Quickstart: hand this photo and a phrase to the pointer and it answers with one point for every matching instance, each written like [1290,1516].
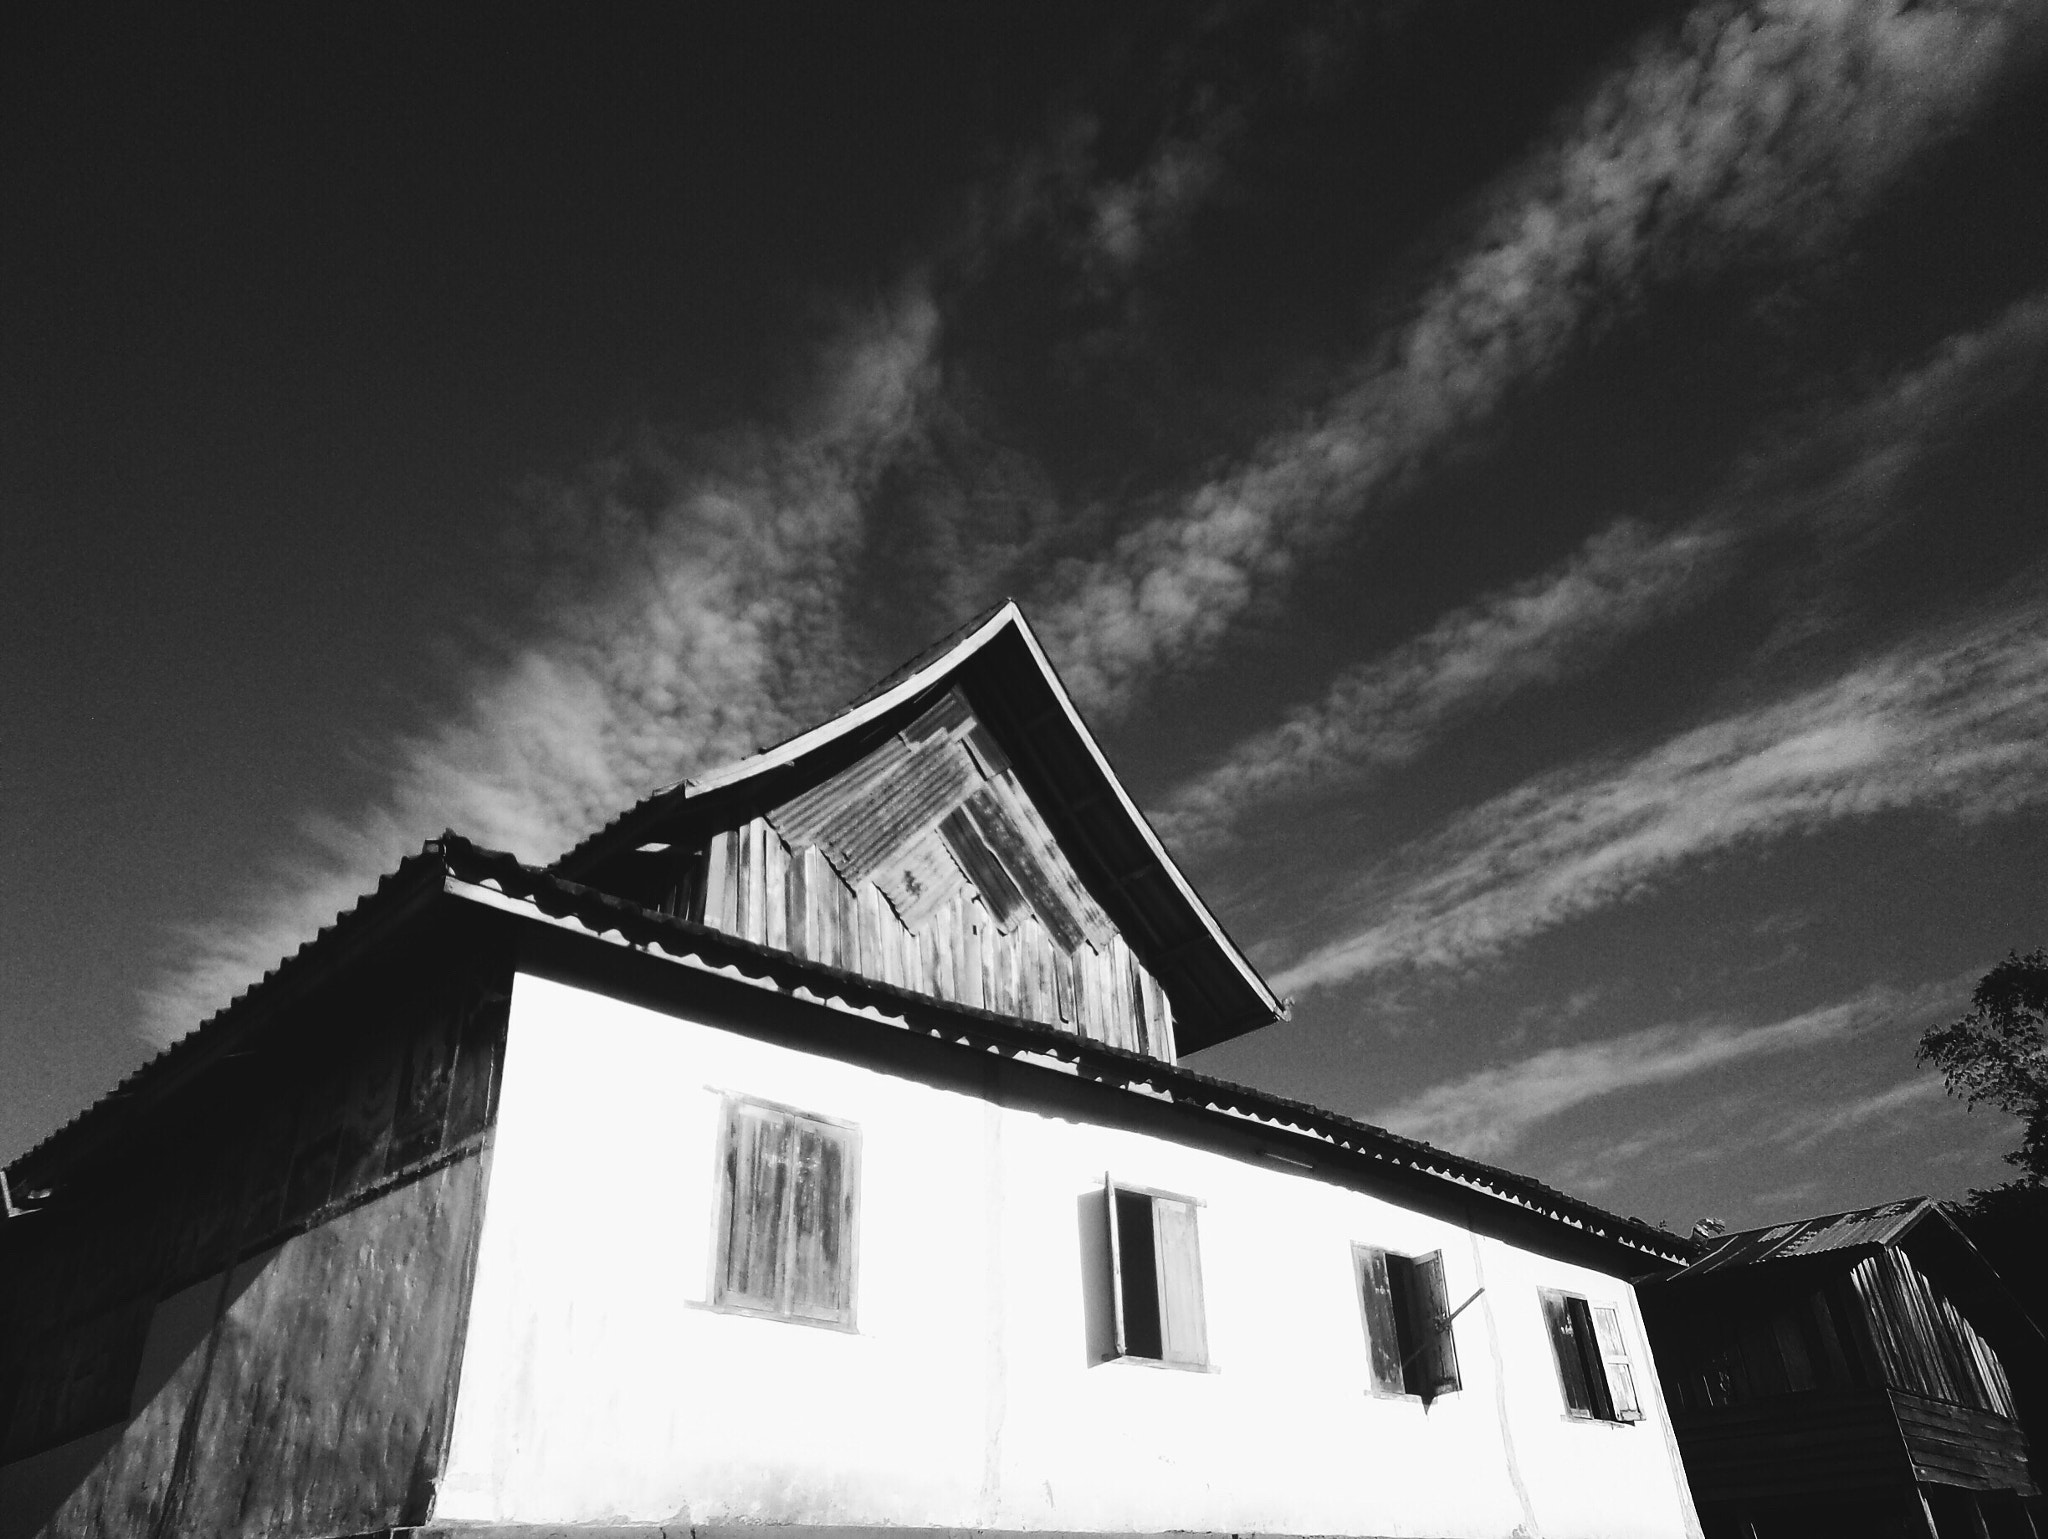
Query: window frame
[1192,1340]
[1394,1347]
[1592,1356]
[722,1296]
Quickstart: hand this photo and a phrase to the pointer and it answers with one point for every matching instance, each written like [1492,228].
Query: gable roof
[1000,666]
[1885,1224]
[451,869]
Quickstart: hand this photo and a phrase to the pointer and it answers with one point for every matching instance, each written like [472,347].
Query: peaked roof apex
[1217,993]
[880,702]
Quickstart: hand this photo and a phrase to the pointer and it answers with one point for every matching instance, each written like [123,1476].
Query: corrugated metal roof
[1881,1225]
[603,915]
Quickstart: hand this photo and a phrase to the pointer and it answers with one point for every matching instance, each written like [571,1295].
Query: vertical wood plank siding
[758,887]
[925,865]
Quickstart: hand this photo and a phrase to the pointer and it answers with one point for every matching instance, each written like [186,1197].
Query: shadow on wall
[305,1389]
[120,1474]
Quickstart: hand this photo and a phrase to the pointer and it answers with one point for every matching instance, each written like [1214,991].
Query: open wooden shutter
[1133,1270]
[1435,1369]
[1621,1382]
[1382,1333]
[754,1247]
[1571,1362]
[825,1167]
[1183,1332]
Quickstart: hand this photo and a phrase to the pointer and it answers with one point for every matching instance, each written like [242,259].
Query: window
[788,1184]
[1407,1322]
[1592,1358]
[1156,1277]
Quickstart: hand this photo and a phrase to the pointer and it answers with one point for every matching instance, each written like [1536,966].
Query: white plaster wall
[597,1386]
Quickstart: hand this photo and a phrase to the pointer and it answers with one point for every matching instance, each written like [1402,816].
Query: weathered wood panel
[304,1392]
[356,1104]
[925,865]
[1927,1345]
[1793,1445]
[1954,1445]
[755,884]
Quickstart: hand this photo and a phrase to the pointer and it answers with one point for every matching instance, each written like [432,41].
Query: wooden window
[789,1186]
[1407,1322]
[1592,1358]
[1156,1277]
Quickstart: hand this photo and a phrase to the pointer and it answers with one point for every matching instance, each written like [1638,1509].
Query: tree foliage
[1998,1054]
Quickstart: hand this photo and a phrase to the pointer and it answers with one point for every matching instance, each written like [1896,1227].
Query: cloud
[1807,1133]
[692,605]
[1957,721]
[1833,470]
[1486,1114]
[1390,710]
[1747,133]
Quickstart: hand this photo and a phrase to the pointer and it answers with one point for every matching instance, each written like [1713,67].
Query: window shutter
[822,1232]
[1112,1201]
[1184,1336]
[1621,1383]
[1382,1334]
[1571,1364]
[1438,1361]
[757,1179]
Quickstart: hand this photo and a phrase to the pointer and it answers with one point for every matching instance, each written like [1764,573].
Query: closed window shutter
[1571,1364]
[1621,1383]
[1382,1334]
[821,1232]
[757,1179]
[1438,1359]
[1184,1335]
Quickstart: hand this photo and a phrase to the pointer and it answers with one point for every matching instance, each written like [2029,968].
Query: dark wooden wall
[247,1323]
[925,865]
[1832,1374]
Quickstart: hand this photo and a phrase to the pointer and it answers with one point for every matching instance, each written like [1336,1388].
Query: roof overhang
[1002,668]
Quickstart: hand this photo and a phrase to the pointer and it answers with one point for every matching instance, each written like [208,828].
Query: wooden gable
[926,864]
[956,831]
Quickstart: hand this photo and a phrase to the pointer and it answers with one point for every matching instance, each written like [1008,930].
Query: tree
[1998,1053]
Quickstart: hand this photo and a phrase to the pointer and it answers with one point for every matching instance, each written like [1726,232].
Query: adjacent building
[1858,1373]
[811,1148]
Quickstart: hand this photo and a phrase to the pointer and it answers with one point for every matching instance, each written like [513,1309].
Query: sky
[1542,503]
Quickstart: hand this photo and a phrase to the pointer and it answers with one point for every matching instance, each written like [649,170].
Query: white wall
[597,1386]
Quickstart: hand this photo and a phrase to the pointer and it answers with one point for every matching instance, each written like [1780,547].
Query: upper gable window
[1156,1277]
[1407,1322]
[1592,1358]
[789,1186]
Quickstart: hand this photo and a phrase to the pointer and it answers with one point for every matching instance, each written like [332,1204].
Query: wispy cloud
[1834,470]
[1486,1114]
[1890,1106]
[1747,132]
[1957,721]
[1390,710]
[693,605]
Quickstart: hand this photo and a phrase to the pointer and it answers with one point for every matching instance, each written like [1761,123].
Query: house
[810,1148]
[1862,1372]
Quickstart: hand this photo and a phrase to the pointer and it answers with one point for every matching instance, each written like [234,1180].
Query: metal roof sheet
[1883,1224]
[452,863]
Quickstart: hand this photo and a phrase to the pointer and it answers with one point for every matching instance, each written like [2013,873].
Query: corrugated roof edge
[453,857]
[599,912]
[774,752]
[415,874]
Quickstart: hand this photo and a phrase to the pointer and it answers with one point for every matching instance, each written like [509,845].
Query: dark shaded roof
[453,867]
[1015,691]
[1885,1224]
